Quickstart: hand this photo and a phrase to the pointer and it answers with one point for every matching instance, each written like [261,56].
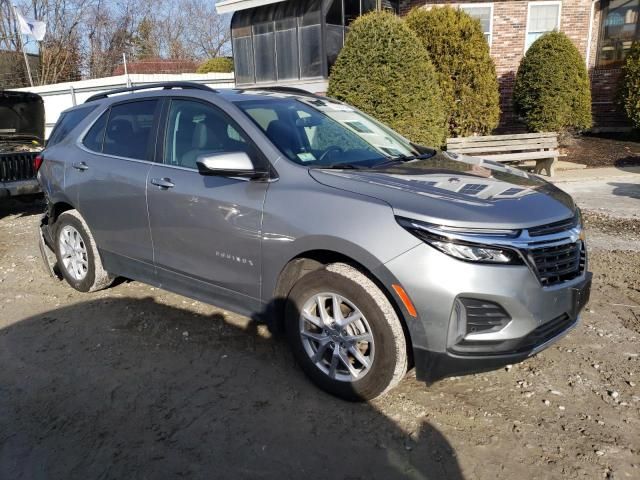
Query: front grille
[559,263]
[17,166]
[555,227]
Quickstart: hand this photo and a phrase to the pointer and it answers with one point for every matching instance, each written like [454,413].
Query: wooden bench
[541,147]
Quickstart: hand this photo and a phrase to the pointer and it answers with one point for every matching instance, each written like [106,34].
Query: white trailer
[60,96]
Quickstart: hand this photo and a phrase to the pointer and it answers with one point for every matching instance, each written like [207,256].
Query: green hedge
[216,65]
[381,72]
[552,91]
[466,72]
[630,85]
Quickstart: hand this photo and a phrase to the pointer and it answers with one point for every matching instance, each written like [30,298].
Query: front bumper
[435,282]
[19,187]
[432,366]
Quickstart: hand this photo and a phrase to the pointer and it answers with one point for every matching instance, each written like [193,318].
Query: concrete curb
[596,174]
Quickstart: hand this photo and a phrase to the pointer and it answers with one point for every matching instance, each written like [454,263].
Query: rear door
[60,143]
[206,229]
[117,154]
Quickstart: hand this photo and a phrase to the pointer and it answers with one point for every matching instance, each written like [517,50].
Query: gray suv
[375,254]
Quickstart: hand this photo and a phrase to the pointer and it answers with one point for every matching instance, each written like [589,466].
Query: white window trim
[544,2]
[482,5]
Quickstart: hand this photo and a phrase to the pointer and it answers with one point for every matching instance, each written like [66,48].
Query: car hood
[458,190]
[21,117]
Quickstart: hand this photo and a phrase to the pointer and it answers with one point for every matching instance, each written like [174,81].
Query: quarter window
[94,137]
[543,17]
[484,13]
[195,129]
[620,27]
[130,130]
[67,122]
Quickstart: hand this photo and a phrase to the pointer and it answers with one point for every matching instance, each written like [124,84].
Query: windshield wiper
[403,159]
[340,166]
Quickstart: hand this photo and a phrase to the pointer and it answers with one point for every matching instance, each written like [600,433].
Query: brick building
[312,32]
[601,30]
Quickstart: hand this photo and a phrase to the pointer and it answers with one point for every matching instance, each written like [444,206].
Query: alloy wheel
[337,337]
[73,253]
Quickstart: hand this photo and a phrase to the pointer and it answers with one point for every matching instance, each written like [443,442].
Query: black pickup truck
[21,141]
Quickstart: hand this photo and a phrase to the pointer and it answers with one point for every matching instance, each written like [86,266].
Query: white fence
[60,96]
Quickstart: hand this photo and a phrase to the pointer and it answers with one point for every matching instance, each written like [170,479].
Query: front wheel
[345,334]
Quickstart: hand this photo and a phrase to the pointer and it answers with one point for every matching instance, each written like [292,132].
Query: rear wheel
[345,334]
[77,254]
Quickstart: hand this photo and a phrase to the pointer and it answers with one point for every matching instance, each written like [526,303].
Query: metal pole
[24,53]
[126,72]
[73,95]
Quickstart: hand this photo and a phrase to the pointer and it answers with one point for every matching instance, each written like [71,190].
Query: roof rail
[163,86]
[294,90]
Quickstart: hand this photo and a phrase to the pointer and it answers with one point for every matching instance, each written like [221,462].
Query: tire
[377,362]
[85,273]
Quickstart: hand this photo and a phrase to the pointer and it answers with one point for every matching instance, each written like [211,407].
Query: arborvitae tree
[381,72]
[630,85]
[466,73]
[552,91]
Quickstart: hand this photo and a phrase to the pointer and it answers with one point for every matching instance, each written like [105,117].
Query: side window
[67,122]
[543,17]
[195,129]
[94,137]
[130,129]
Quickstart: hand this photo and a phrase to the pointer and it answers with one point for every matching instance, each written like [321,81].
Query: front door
[206,230]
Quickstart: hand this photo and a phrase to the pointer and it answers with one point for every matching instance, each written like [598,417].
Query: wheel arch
[58,208]
[311,260]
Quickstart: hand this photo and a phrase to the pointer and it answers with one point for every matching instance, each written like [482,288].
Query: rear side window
[130,130]
[67,122]
[94,137]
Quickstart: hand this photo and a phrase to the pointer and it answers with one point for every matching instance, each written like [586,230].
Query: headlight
[475,254]
[441,238]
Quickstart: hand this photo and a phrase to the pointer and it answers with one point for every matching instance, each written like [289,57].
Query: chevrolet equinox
[376,254]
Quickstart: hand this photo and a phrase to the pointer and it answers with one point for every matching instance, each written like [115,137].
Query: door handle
[82,166]
[163,183]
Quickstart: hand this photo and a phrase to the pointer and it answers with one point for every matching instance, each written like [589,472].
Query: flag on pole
[33,28]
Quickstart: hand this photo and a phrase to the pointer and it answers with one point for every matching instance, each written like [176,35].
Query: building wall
[507,49]
[13,73]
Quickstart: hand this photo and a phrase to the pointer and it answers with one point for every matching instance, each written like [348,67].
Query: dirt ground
[613,150]
[137,383]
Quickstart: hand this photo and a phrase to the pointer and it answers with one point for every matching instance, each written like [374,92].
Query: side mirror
[234,164]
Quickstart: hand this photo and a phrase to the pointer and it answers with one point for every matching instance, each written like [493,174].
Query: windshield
[321,133]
